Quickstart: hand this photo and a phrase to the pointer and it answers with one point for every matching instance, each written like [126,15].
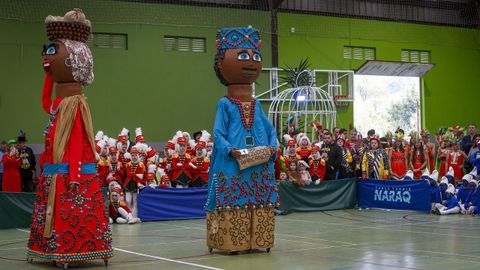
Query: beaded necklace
[246,112]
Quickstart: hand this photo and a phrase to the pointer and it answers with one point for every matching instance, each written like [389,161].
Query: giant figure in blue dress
[240,203]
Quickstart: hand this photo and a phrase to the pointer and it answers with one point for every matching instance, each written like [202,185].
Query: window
[358,53]
[183,44]
[415,56]
[108,41]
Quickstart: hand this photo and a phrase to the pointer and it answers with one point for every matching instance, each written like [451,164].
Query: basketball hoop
[341,101]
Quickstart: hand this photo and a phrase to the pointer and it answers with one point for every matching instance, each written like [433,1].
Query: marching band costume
[181,174]
[200,166]
[134,170]
[316,165]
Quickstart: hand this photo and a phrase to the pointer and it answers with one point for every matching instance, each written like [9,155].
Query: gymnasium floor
[345,239]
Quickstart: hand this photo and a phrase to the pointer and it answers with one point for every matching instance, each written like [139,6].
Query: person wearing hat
[316,165]
[290,151]
[181,171]
[463,191]
[27,170]
[450,204]
[444,150]
[435,189]
[375,161]
[429,148]
[68,66]
[304,173]
[398,158]
[345,168]
[357,151]
[472,203]
[418,159]
[124,145]
[116,167]
[119,212]
[200,165]
[304,146]
[134,170]
[239,199]
[166,162]
[455,160]
[103,163]
[11,169]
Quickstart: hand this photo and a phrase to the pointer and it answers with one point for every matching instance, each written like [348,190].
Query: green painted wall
[165,91]
[142,86]
[451,89]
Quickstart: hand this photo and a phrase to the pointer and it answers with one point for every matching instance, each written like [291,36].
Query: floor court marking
[154,257]
[167,259]
[12,240]
[321,239]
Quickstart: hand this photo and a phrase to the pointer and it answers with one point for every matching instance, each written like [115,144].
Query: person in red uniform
[134,170]
[317,165]
[200,166]
[429,148]
[418,158]
[70,223]
[181,174]
[304,146]
[115,166]
[290,152]
[103,164]
[123,146]
[166,162]
[151,156]
[151,176]
[119,212]
[455,160]
[12,182]
[46,155]
[398,158]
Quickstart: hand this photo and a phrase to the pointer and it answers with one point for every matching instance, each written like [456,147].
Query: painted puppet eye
[243,56]
[51,49]
[257,57]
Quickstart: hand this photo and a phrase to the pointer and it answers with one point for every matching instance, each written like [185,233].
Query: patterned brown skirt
[241,229]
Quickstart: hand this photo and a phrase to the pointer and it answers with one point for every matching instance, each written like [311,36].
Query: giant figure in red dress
[70,222]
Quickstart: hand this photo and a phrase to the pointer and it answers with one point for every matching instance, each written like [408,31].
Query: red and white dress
[455,160]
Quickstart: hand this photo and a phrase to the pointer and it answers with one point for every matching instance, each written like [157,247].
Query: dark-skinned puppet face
[238,60]
[56,62]
[67,58]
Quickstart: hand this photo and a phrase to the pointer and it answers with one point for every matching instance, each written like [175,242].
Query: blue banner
[171,203]
[392,194]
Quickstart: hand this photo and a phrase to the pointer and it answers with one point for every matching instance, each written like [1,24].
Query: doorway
[385,103]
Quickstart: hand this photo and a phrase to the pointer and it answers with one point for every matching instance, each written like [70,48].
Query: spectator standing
[27,169]
[467,143]
[375,161]
[11,161]
[332,154]
[3,147]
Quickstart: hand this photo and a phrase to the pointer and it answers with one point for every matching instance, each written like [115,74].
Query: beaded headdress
[240,37]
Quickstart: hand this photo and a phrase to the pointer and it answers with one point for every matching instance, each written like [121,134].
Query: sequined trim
[84,256]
